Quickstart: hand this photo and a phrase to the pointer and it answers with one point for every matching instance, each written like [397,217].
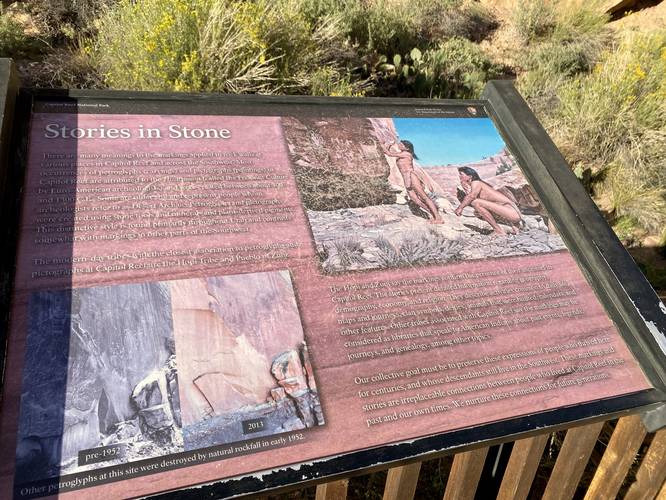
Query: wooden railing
[647,481]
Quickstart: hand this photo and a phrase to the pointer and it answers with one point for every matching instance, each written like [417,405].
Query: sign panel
[248,288]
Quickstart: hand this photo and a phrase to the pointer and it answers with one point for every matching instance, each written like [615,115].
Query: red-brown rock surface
[228,331]
[346,145]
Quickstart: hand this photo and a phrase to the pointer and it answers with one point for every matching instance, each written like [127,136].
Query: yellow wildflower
[639,73]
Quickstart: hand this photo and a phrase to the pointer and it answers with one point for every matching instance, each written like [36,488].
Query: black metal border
[619,284]
[13,143]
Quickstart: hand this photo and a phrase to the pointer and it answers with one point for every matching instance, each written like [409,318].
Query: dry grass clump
[417,248]
[560,40]
[14,41]
[613,122]
[224,55]
[534,19]
[325,190]
[470,20]
[615,105]
[67,19]
[563,20]
[65,67]
[603,99]
[350,252]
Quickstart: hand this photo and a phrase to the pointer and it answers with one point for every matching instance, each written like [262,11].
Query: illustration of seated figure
[417,189]
[487,201]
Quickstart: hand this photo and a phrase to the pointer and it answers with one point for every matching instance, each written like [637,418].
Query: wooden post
[465,473]
[401,482]
[571,461]
[522,467]
[652,472]
[662,493]
[622,448]
[335,490]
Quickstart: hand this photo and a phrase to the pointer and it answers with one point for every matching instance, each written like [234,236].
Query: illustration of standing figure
[487,201]
[416,188]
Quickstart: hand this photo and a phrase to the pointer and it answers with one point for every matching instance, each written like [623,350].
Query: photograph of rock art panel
[99,371]
[384,193]
[243,365]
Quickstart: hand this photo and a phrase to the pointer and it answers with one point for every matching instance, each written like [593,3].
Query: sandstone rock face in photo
[290,371]
[241,357]
[514,185]
[228,331]
[119,335]
[384,130]
[293,404]
[91,355]
[158,403]
[42,417]
[346,145]
[337,162]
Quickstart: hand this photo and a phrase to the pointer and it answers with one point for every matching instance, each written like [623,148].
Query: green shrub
[383,26]
[634,183]
[13,40]
[230,58]
[617,103]
[315,10]
[534,19]
[291,46]
[208,45]
[562,40]
[328,81]
[297,47]
[67,19]
[392,27]
[181,45]
[458,68]
[439,20]
[151,44]
[550,65]
[279,30]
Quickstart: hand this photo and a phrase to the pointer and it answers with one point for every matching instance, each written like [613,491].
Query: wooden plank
[335,490]
[401,482]
[465,473]
[652,472]
[522,467]
[622,448]
[571,461]
[662,493]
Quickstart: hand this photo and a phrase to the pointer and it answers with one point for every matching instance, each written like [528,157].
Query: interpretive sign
[267,291]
